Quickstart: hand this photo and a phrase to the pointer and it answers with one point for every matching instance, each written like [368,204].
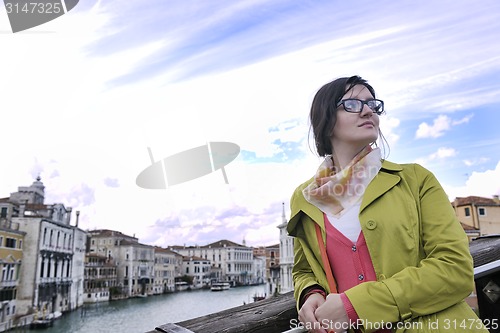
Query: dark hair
[323,113]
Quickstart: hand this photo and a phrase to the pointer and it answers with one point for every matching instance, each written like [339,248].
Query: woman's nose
[366,111]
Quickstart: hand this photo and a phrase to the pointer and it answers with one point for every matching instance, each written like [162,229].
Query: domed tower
[38,191]
[286,255]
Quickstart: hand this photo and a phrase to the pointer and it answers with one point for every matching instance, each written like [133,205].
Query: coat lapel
[302,206]
[386,179]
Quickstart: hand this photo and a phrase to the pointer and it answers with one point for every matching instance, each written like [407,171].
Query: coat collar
[386,179]
[299,206]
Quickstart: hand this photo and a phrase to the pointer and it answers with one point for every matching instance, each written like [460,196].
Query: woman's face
[355,130]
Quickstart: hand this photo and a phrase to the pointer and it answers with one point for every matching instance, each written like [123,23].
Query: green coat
[419,250]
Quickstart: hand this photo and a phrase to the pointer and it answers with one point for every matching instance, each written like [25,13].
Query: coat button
[371,224]
[381,277]
[361,277]
[353,248]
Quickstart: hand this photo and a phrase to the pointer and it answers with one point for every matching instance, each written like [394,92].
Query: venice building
[100,278]
[479,216]
[199,269]
[167,269]
[231,262]
[51,274]
[135,262]
[270,255]
[11,255]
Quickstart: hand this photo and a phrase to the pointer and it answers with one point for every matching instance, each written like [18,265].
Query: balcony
[5,223]
[8,284]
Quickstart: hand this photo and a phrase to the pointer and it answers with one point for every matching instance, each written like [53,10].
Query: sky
[89,99]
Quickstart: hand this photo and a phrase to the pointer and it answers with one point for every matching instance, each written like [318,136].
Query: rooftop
[475,200]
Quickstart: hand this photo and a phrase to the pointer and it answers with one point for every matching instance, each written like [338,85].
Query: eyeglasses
[356,105]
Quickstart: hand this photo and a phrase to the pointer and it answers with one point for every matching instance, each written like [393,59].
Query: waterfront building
[167,268]
[478,214]
[135,261]
[271,255]
[99,279]
[78,265]
[234,260]
[11,255]
[286,256]
[51,277]
[216,274]
[259,269]
[198,269]
[138,275]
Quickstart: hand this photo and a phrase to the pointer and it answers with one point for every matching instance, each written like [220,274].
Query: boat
[181,286]
[41,323]
[219,286]
[45,321]
[55,315]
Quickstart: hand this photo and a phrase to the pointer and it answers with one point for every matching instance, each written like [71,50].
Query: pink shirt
[350,262]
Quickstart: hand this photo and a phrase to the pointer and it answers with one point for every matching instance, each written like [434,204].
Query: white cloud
[387,126]
[437,129]
[464,120]
[476,161]
[440,155]
[443,153]
[440,125]
[480,183]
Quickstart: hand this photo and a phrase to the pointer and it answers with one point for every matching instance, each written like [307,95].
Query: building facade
[233,261]
[11,256]
[197,268]
[271,256]
[259,269]
[167,267]
[479,215]
[99,279]
[51,277]
[135,261]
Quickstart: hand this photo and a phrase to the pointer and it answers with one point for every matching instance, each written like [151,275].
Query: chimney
[68,215]
[22,207]
[496,199]
[77,217]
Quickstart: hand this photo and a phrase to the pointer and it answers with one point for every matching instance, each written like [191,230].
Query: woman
[400,259]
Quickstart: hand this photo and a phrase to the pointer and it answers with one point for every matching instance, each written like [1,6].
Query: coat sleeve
[442,278]
[303,274]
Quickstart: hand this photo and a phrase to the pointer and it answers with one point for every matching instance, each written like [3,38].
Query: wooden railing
[266,316]
[279,314]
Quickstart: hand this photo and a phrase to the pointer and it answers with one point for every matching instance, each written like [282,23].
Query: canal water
[140,315]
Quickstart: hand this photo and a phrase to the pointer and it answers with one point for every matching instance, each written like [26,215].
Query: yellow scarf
[332,191]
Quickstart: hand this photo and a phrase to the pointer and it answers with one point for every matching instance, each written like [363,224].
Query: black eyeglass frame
[378,112]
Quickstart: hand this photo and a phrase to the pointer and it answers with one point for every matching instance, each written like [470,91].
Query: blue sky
[85,95]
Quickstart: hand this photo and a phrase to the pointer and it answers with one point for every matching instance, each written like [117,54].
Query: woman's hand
[307,313]
[332,313]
